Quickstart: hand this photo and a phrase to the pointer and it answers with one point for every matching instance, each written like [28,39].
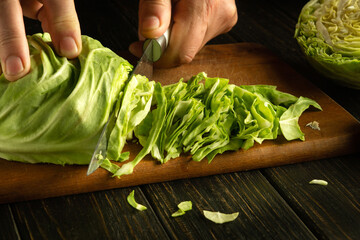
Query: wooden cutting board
[243,63]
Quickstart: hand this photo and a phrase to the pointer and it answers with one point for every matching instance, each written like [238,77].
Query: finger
[187,34]
[196,23]
[154,18]
[136,48]
[226,17]
[14,50]
[31,8]
[59,18]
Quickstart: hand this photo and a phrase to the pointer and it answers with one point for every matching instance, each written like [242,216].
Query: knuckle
[225,13]
[40,15]
[230,13]
[64,22]
[8,39]
[186,58]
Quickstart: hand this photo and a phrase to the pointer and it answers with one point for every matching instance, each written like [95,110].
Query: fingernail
[13,66]
[150,23]
[68,47]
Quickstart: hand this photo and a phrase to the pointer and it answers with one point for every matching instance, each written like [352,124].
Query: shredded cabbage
[131,200]
[55,113]
[207,116]
[319,182]
[220,218]
[183,207]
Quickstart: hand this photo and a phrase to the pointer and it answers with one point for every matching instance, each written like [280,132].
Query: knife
[152,51]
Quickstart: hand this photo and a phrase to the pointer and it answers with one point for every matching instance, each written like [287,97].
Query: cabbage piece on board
[56,112]
[135,105]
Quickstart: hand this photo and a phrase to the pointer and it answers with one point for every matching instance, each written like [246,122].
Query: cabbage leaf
[131,200]
[220,218]
[207,119]
[135,105]
[328,32]
[182,208]
[55,113]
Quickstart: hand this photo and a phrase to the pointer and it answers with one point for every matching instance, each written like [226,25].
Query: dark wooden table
[273,203]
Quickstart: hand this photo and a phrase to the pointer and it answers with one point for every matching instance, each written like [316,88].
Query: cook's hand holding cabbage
[328,32]
[56,112]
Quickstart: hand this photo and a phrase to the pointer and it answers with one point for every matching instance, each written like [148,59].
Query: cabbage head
[328,32]
[56,112]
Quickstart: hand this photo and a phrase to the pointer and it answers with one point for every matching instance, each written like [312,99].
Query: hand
[58,17]
[194,23]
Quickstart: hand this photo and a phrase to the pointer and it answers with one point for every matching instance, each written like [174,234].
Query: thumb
[154,17]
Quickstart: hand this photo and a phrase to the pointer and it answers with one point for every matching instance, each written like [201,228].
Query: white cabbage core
[338,22]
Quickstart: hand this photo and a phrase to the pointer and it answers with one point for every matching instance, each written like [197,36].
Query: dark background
[274,203]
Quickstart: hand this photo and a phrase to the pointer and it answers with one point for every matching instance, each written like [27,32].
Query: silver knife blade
[153,49]
[144,67]
[100,149]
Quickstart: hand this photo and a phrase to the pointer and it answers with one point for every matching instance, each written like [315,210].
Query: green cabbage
[183,207]
[220,218]
[56,112]
[131,200]
[134,107]
[328,32]
[208,116]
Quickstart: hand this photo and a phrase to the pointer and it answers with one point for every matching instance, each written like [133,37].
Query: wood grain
[243,64]
[331,211]
[263,214]
[7,224]
[100,215]
[270,23]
